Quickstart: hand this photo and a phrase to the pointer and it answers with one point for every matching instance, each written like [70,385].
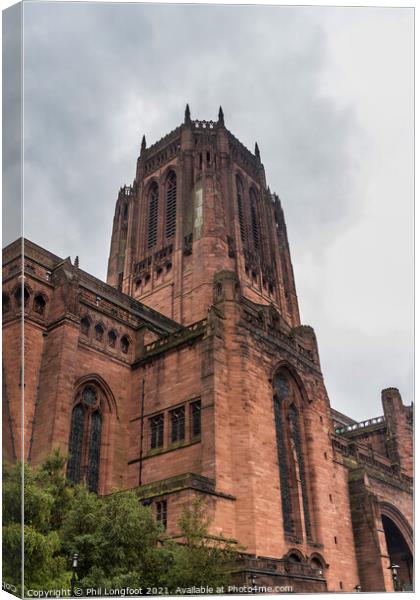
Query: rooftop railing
[361,425]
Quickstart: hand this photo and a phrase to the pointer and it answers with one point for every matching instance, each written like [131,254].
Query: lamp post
[394,570]
[74,562]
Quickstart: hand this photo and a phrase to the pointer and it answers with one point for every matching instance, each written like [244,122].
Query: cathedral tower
[199,204]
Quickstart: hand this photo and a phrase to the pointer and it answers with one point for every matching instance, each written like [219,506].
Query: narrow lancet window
[153,216]
[291,462]
[254,221]
[170,226]
[76,443]
[83,464]
[240,200]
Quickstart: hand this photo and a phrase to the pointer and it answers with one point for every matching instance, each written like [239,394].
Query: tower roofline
[199,125]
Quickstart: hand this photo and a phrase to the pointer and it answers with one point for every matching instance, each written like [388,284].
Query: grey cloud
[98,76]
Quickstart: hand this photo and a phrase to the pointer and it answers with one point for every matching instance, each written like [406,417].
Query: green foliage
[202,560]
[118,541]
[42,493]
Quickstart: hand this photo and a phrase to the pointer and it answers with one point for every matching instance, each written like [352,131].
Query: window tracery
[85,439]
[290,452]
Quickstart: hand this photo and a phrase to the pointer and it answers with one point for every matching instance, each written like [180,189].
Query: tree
[34,522]
[202,559]
[118,541]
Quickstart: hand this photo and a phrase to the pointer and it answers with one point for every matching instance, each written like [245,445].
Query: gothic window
[290,453]
[125,213]
[125,344]
[112,339]
[240,200]
[5,303]
[99,332]
[120,281]
[39,304]
[152,224]
[195,418]
[297,445]
[85,440]
[162,512]
[18,296]
[94,452]
[156,431]
[281,390]
[254,220]
[85,325]
[75,445]
[170,226]
[178,424]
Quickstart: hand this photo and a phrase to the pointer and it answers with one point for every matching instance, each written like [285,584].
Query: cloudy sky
[328,95]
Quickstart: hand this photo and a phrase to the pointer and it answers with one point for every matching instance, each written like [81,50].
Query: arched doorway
[399,554]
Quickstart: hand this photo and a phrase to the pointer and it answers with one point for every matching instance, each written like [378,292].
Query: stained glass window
[281,386]
[94,452]
[85,440]
[76,444]
[283,471]
[294,421]
[89,396]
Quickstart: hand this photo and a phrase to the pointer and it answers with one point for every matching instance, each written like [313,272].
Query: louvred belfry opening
[170,226]
[152,229]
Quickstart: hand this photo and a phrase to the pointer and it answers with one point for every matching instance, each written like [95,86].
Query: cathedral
[188,373]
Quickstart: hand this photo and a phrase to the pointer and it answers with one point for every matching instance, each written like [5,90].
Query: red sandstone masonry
[228,361]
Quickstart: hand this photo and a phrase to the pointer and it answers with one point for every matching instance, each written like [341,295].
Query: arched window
[85,326]
[18,296]
[39,304]
[256,237]
[240,201]
[85,439]
[99,332]
[291,462]
[170,217]
[5,303]
[112,339]
[152,222]
[125,344]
